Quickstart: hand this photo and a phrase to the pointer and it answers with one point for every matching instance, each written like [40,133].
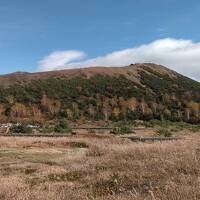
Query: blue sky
[32,30]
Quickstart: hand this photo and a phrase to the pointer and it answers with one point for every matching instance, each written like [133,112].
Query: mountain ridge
[21,77]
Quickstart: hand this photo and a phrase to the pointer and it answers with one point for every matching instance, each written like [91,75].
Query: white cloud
[182,56]
[59,59]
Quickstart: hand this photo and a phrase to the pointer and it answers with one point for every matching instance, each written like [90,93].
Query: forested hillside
[140,91]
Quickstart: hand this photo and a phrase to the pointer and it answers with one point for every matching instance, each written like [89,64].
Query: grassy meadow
[98,167]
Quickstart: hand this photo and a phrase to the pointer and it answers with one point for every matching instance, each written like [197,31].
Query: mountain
[138,91]
[130,72]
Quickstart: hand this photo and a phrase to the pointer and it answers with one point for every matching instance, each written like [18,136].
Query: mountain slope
[139,91]
[130,72]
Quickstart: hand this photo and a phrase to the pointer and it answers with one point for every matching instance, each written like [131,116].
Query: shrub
[148,124]
[195,129]
[47,129]
[123,129]
[21,129]
[164,132]
[69,176]
[78,145]
[62,127]
[113,185]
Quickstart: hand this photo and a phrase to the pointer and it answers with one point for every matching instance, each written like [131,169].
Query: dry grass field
[99,168]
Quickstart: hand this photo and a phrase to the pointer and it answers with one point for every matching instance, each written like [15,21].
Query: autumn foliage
[155,95]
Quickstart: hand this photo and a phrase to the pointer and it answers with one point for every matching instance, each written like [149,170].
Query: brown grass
[103,168]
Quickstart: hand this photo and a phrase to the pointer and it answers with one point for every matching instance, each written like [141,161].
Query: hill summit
[138,91]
